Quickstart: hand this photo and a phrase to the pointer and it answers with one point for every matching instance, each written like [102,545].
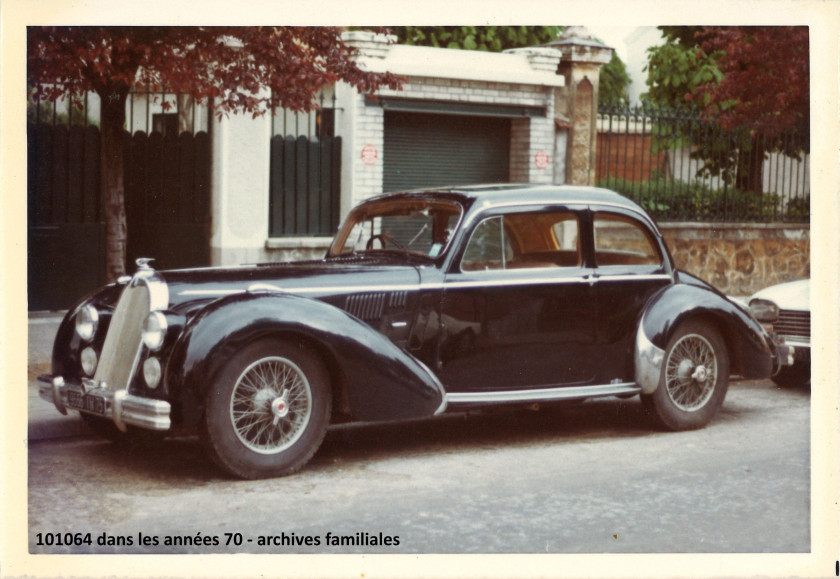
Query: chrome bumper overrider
[648,362]
[119,406]
[785,354]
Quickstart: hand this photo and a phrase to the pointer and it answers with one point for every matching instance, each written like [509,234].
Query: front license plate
[86,402]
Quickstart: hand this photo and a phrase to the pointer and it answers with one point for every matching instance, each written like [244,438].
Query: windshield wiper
[419,233]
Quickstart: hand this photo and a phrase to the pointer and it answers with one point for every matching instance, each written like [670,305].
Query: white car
[785,311]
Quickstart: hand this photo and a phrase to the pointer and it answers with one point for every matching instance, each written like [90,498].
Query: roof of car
[507,193]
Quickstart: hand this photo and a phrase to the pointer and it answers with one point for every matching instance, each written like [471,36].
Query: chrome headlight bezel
[764,310]
[87,322]
[154,330]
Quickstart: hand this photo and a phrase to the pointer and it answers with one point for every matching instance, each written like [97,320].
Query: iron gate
[167,198]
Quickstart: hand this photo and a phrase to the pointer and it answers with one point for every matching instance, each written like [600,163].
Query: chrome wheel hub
[691,372]
[279,407]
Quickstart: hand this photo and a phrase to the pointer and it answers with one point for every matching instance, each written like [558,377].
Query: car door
[630,266]
[517,310]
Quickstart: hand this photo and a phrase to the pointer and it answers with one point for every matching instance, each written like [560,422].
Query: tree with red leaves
[752,80]
[765,91]
[766,83]
[238,69]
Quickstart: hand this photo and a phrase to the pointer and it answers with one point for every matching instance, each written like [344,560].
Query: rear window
[620,240]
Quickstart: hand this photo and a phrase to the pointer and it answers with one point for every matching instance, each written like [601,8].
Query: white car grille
[794,325]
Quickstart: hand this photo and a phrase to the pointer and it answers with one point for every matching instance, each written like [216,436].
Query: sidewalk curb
[44,421]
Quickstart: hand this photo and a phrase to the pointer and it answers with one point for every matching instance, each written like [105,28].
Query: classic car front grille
[794,325]
[121,350]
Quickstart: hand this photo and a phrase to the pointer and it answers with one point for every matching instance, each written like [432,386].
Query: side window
[532,240]
[484,251]
[623,241]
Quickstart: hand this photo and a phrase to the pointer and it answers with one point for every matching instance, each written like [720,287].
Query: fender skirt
[751,352]
[382,382]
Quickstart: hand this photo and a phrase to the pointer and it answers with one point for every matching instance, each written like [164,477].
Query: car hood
[319,279]
[795,295]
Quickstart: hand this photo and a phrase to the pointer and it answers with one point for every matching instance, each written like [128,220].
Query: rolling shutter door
[430,150]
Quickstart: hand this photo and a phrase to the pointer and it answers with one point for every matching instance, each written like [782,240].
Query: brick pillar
[576,104]
[362,128]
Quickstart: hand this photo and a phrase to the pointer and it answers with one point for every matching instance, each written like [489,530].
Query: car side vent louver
[368,307]
[398,300]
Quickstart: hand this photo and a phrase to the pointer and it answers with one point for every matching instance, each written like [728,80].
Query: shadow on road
[181,462]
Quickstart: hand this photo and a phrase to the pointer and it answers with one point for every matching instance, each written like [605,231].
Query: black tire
[795,376]
[694,378]
[134,436]
[267,410]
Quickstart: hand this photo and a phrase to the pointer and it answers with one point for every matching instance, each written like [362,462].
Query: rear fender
[381,381]
[751,354]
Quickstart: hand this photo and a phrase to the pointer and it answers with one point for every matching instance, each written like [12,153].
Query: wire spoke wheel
[694,378]
[691,372]
[271,405]
[267,410]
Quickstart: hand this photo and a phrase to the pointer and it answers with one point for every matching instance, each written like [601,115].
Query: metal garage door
[427,150]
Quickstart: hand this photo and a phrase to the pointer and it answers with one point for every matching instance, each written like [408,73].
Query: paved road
[591,478]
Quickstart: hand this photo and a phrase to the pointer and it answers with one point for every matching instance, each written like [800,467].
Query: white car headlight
[764,310]
[154,330]
[89,361]
[87,320]
[152,372]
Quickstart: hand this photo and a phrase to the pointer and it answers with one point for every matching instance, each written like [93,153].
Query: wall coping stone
[730,225]
[462,65]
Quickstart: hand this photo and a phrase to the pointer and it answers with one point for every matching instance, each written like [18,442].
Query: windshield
[418,226]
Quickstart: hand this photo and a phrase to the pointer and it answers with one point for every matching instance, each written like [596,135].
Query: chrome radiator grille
[794,325]
[121,351]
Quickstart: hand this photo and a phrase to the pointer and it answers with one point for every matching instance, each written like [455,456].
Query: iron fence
[681,166]
[305,179]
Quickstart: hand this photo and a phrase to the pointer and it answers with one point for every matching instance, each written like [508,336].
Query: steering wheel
[384,239]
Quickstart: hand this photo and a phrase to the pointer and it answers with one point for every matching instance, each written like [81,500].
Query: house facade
[202,190]
[460,117]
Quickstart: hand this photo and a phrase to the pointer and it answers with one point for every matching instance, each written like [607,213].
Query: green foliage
[666,199]
[676,72]
[485,38]
[613,82]
[749,81]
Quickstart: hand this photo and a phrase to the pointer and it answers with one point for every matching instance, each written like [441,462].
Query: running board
[544,394]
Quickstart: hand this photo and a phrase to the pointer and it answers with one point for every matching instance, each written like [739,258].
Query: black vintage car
[426,302]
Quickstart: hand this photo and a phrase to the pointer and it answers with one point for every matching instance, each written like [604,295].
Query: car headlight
[152,372]
[87,320]
[89,361]
[764,310]
[154,330]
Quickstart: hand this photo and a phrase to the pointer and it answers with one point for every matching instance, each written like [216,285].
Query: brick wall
[628,157]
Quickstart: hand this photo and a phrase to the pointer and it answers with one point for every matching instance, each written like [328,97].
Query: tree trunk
[113,186]
[751,168]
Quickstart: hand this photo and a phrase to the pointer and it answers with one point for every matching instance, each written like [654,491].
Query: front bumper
[95,399]
[785,356]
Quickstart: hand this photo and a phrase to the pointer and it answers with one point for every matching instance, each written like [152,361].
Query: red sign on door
[541,159]
[369,154]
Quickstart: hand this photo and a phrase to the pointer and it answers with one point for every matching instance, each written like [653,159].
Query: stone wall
[740,258]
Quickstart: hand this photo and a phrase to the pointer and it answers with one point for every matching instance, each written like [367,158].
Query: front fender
[750,349]
[381,381]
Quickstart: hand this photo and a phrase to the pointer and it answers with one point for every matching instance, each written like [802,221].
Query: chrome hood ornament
[143,263]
